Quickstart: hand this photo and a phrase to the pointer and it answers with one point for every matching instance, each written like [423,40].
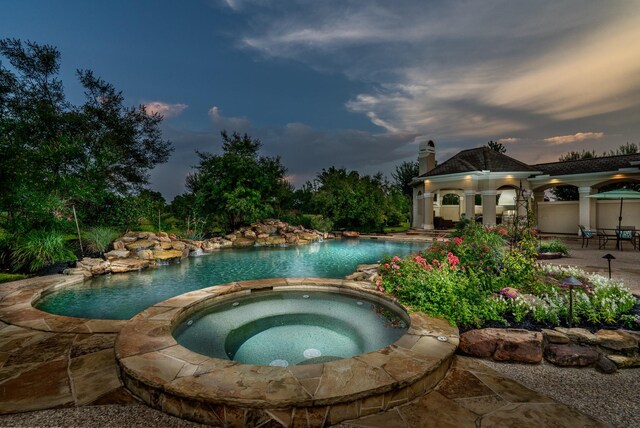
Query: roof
[480,159]
[584,166]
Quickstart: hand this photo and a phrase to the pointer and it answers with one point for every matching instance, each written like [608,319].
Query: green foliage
[8,277]
[38,249]
[239,186]
[498,147]
[553,246]
[99,238]
[56,155]
[320,223]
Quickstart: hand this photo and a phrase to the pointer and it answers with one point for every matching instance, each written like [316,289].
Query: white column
[587,208]
[415,221]
[427,222]
[470,204]
[489,207]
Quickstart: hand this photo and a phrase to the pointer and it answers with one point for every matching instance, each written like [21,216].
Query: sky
[352,83]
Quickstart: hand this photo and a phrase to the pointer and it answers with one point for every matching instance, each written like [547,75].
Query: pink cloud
[509,140]
[580,136]
[166,110]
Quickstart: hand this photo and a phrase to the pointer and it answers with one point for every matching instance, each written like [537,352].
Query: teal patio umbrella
[621,194]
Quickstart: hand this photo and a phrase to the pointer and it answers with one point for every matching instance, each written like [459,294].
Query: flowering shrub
[470,280]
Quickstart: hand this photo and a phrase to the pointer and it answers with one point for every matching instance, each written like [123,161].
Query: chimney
[426,155]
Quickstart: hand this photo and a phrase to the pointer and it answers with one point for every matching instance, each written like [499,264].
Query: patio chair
[603,238]
[586,235]
[626,234]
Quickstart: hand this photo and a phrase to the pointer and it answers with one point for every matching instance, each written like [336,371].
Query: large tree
[403,177]
[239,186]
[54,153]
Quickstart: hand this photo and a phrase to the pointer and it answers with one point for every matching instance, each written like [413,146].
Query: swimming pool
[122,296]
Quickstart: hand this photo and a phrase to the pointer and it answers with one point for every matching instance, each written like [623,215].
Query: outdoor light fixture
[571,282]
[609,257]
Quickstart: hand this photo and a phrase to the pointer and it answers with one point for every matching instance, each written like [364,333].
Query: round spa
[282,352]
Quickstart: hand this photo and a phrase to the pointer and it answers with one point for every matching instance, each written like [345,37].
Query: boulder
[262,236]
[291,238]
[117,254]
[127,239]
[146,254]
[119,245]
[350,234]
[579,335]
[605,365]
[95,266]
[617,340]
[271,240]
[623,361]
[178,245]
[166,245]
[168,254]
[164,238]
[128,265]
[143,244]
[230,237]
[503,344]
[553,336]
[571,355]
[77,271]
[308,236]
[163,235]
[243,242]
[250,234]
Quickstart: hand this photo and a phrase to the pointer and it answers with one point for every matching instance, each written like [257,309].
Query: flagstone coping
[17,300]
[186,384]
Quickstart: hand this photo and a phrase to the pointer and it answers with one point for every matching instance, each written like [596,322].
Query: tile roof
[583,166]
[479,159]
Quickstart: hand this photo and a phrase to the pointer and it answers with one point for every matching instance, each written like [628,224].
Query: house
[482,183]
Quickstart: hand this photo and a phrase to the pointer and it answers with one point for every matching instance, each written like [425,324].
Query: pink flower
[509,292]
[453,260]
[386,265]
[395,259]
[457,240]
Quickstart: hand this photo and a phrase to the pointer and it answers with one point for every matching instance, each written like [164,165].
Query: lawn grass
[7,277]
[397,229]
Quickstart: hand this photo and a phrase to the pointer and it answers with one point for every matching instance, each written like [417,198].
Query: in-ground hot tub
[288,327]
[315,392]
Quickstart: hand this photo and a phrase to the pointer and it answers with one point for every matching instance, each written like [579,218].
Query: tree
[239,187]
[497,147]
[56,154]
[403,178]
[625,149]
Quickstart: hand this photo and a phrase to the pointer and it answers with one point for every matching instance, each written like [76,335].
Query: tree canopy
[496,146]
[55,153]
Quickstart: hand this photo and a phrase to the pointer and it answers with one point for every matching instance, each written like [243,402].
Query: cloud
[231,124]
[166,110]
[580,136]
[457,70]
[509,140]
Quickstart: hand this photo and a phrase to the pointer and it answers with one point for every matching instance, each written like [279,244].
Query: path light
[609,257]
[571,282]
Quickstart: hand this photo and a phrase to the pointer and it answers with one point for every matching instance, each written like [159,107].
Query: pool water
[291,327]
[121,296]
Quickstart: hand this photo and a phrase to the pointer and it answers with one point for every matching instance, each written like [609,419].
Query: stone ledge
[178,381]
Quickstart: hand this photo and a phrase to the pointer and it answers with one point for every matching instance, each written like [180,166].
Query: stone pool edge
[178,381]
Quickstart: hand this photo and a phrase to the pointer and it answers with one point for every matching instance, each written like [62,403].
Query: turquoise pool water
[291,327]
[121,296]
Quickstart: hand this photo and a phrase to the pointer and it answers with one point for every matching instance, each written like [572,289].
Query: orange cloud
[164,109]
[580,136]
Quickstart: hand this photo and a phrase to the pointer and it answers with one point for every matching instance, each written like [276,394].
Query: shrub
[98,239]
[553,246]
[38,249]
[320,223]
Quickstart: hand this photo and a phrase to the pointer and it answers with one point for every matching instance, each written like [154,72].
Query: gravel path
[611,398]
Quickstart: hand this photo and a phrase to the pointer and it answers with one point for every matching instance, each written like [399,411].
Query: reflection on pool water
[121,296]
[291,327]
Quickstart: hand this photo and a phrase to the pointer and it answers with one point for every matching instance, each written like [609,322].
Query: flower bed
[473,279]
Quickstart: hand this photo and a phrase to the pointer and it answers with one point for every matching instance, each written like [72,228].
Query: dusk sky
[352,83]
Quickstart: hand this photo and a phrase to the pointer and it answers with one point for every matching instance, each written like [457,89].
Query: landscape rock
[231,237]
[617,340]
[166,245]
[553,336]
[178,245]
[94,265]
[579,335]
[243,242]
[503,344]
[571,355]
[605,365]
[250,234]
[163,235]
[119,245]
[141,245]
[127,239]
[271,240]
[623,361]
[350,234]
[168,254]
[77,271]
[128,265]
[145,254]
[117,254]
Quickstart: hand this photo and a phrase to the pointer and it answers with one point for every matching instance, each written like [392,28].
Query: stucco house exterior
[484,183]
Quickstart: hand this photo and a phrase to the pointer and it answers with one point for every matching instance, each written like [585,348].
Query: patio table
[604,234]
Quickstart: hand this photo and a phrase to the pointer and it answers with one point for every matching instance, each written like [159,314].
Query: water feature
[292,327]
[121,296]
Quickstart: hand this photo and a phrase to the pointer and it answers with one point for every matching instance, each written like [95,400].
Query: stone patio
[49,362]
